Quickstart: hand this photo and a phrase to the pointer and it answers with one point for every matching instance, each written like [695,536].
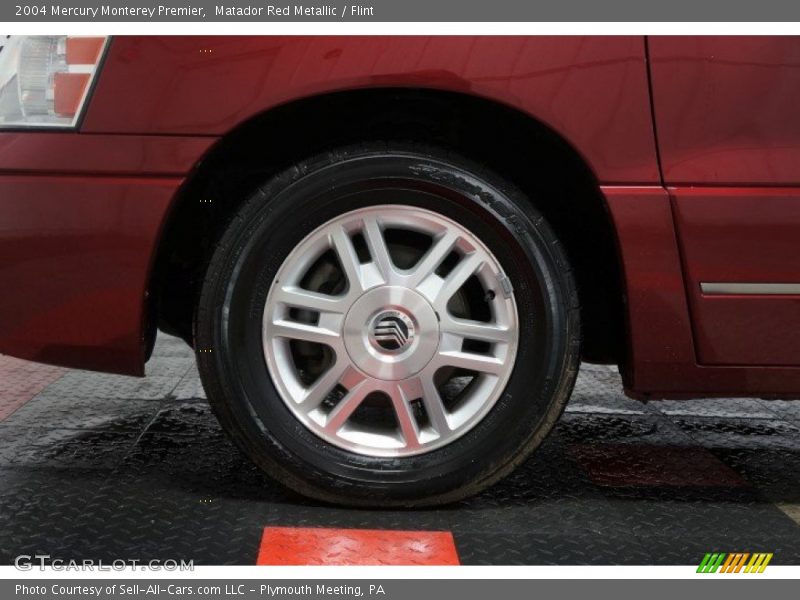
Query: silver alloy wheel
[387,335]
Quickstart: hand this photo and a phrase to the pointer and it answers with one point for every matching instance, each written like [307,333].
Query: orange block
[68,89]
[84,50]
[317,546]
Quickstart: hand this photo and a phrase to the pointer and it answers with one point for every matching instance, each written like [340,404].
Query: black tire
[291,205]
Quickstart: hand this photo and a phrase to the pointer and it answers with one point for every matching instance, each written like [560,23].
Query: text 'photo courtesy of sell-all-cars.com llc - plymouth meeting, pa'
[391,254]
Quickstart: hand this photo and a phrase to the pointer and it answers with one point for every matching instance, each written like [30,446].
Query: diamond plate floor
[101,466]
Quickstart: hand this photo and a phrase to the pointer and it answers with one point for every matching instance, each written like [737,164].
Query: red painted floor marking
[669,466]
[317,546]
[21,380]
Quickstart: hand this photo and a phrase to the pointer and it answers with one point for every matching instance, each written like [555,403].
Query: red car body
[693,142]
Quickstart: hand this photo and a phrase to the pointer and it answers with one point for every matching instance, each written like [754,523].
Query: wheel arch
[516,145]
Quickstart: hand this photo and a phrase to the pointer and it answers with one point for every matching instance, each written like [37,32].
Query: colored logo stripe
[318,546]
[711,563]
[733,563]
[758,563]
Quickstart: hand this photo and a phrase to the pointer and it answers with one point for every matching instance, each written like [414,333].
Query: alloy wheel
[390,331]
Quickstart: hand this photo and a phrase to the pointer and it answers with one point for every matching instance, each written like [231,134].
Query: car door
[727,115]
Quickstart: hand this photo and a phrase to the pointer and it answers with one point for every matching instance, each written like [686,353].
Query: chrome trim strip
[751,289]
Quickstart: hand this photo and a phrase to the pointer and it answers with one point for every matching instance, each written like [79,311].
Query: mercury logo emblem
[392,331]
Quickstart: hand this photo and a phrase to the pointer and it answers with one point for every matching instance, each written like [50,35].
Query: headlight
[44,80]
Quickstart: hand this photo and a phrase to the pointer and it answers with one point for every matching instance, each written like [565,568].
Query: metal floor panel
[107,467]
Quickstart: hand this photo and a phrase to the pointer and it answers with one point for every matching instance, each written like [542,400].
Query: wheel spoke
[433,258]
[378,248]
[346,407]
[305,299]
[305,332]
[469,361]
[343,246]
[319,390]
[475,330]
[434,406]
[405,417]
[457,278]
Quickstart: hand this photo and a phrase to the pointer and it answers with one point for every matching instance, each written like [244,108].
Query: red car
[390,254]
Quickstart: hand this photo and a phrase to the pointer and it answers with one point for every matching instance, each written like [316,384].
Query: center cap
[391,332]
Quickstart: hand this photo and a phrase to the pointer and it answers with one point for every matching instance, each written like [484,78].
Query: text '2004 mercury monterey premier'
[391,254]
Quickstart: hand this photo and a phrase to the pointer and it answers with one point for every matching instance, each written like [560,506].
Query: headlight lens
[44,80]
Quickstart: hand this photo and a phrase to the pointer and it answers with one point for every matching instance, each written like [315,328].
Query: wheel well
[511,143]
